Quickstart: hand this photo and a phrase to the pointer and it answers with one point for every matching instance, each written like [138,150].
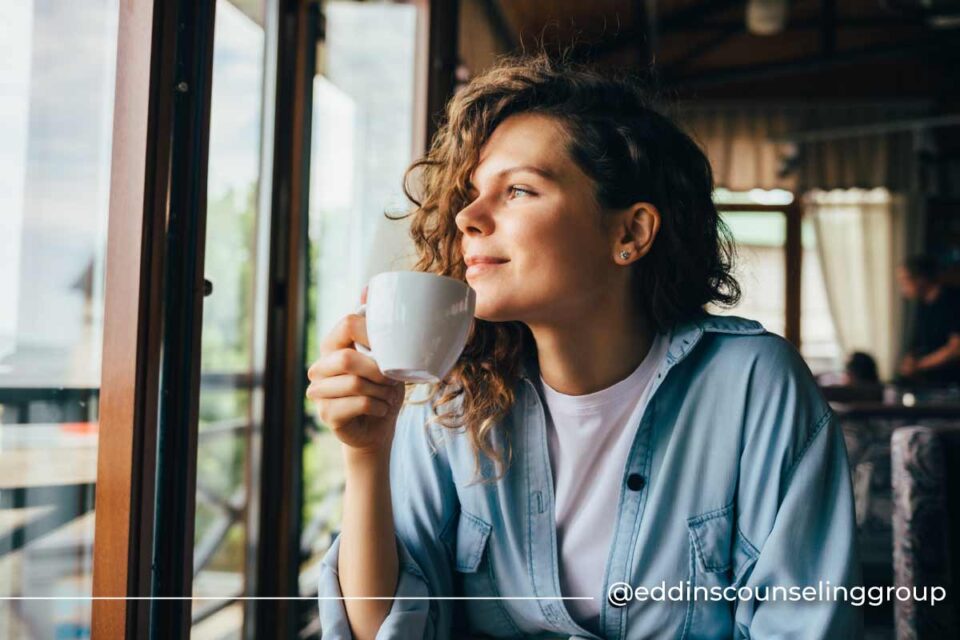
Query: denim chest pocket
[474,577]
[719,559]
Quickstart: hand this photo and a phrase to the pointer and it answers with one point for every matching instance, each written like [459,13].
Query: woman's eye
[516,191]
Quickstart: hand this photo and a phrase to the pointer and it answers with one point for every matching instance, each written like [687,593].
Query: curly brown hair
[633,153]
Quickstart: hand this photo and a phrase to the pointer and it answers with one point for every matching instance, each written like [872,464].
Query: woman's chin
[491,313]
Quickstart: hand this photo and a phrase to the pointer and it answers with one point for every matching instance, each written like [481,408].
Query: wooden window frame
[280,461]
[442,37]
[793,260]
[154,289]
[153,297]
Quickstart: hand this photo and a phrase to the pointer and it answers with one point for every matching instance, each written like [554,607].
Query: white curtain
[738,138]
[747,143]
[859,237]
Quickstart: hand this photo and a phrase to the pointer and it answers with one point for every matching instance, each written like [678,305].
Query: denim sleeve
[796,526]
[424,503]
[811,541]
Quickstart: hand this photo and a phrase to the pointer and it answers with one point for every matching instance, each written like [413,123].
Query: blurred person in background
[933,352]
[859,370]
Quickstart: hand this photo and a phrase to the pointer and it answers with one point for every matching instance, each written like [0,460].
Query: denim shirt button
[635,482]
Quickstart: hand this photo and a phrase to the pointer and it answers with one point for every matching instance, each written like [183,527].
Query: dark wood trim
[499,25]
[278,546]
[443,32]
[132,312]
[793,251]
[828,31]
[648,42]
[183,293]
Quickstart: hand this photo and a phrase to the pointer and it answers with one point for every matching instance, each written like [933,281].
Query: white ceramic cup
[417,323]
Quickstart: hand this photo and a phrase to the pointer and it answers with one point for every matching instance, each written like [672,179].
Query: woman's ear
[636,231]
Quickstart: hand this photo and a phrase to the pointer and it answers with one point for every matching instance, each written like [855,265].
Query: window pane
[229,404]
[759,267]
[818,336]
[57,64]
[363,141]
[772,197]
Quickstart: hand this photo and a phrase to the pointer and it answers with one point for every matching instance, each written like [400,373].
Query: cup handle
[362,311]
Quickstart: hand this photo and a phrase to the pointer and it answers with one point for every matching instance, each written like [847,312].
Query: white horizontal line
[295,598]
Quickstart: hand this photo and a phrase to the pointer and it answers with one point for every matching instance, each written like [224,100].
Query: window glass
[57,72]
[230,406]
[363,140]
[759,266]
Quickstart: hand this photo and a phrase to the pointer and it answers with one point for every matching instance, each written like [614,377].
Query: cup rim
[463,283]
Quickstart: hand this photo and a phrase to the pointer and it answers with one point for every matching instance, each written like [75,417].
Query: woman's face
[536,247]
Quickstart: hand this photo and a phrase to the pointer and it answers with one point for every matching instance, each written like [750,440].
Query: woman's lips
[482,268]
[479,267]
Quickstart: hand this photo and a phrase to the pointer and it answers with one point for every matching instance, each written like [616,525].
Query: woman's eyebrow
[546,174]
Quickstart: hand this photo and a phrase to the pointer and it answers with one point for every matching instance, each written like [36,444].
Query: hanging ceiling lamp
[767,17]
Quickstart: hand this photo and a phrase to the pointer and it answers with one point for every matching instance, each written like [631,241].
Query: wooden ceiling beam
[713,77]
[702,48]
[646,20]
[636,35]
[499,25]
[695,14]
[828,30]
[804,24]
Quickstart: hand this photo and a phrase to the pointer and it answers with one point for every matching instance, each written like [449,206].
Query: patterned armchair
[868,450]
[925,470]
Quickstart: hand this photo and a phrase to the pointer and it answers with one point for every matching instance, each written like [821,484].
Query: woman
[599,428]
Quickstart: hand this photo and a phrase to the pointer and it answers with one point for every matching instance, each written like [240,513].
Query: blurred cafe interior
[193,192]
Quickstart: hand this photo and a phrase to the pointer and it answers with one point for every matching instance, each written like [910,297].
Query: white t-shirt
[589,437]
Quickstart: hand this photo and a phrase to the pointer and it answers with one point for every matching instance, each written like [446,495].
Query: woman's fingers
[351,329]
[344,386]
[339,411]
[347,361]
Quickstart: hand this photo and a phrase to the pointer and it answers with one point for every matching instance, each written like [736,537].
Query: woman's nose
[475,219]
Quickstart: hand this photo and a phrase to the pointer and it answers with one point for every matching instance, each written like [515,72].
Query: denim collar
[684,337]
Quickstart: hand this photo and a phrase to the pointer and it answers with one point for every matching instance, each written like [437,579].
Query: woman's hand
[352,396]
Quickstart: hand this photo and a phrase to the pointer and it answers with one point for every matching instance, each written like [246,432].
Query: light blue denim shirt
[745,483]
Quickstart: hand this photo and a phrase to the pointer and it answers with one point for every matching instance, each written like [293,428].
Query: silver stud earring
[624,255]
